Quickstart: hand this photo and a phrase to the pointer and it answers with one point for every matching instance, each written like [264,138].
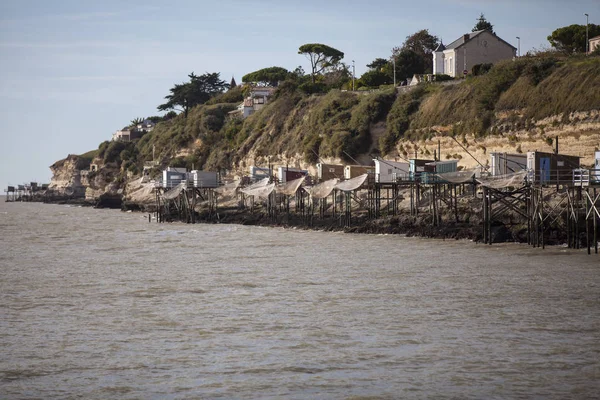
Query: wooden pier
[541,207]
[27,192]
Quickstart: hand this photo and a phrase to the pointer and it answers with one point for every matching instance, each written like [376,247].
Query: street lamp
[519,47]
[394,63]
[587,41]
[353,75]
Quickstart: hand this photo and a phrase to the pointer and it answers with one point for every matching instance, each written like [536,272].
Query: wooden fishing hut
[10,193]
[326,172]
[389,177]
[258,173]
[352,171]
[550,168]
[201,184]
[417,166]
[172,177]
[387,171]
[596,171]
[438,167]
[286,174]
[507,163]
[203,179]
[179,192]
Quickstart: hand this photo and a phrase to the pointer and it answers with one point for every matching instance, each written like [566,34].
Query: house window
[389,171]
[451,66]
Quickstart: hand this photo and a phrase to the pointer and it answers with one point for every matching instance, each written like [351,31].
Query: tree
[267,76]
[375,78]
[408,63]
[233,83]
[298,72]
[380,73]
[337,76]
[571,39]
[321,57]
[378,64]
[136,121]
[483,25]
[197,91]
[422,44]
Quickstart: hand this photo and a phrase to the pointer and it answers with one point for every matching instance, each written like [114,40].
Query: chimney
[466,37]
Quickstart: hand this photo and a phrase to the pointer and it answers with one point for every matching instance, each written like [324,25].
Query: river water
[100,304]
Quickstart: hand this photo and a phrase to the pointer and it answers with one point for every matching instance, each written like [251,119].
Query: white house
[480,47]
[146,126]
[123,135]
[390,171]
[594,43]
[259,96]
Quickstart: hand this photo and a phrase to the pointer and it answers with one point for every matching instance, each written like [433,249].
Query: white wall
[438,63]
[389,171]
[485,48]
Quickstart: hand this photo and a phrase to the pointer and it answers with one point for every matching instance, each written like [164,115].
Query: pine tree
[483,25]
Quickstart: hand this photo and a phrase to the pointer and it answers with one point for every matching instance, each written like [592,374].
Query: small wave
[304,370]
[247,285]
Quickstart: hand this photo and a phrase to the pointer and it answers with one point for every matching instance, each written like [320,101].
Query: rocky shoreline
[401,224]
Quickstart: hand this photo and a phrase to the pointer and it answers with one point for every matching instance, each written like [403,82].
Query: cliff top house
[594,44]
[146,126]
[259,96]
[480,47]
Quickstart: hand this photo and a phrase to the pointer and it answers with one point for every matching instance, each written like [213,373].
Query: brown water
[101,304]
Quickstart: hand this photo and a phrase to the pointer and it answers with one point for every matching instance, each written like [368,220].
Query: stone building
[480,47]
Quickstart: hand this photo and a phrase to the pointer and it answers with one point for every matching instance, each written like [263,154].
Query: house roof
[461,40]
[595,37]
[263,89]
[440,47]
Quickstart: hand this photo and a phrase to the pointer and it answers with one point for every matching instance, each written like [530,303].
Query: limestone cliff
[518,106]
[67,177]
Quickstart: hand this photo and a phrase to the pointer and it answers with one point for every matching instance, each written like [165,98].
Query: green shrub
[481,69]
[443,78]
[539,70]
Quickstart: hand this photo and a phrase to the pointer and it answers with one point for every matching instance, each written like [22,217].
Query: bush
[312,88]
[539,70]
[235,95]
[398,119]
[443,78]
[481,69]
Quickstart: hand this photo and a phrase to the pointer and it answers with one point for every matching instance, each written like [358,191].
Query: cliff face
[72,177]
[518,106]
[66,176]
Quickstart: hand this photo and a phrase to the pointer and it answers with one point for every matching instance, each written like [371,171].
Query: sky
[73,72]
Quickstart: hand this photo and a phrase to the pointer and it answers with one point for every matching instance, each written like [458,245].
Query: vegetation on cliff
[341,124]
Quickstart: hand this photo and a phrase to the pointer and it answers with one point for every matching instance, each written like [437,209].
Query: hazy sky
[73,72]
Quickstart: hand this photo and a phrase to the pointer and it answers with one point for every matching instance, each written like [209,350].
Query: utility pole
[519,47]
[353,75]
[587,40]
[394,63]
